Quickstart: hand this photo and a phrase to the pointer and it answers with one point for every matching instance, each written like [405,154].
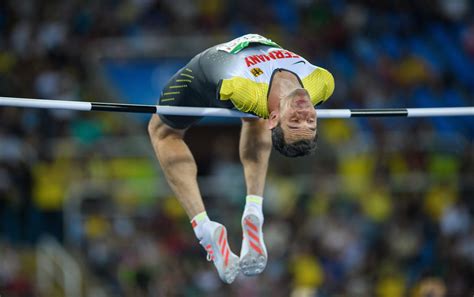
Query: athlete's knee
[154,125]
[158,130]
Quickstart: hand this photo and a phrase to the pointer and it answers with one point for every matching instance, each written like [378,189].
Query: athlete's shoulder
[320,85]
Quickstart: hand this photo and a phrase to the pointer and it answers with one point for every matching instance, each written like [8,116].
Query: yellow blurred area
[210,7]
[95,226]
[131,168]
[307,271]
[377,204]
[319,204]
[51,183]
[439,197]
[133,180]
[444,168]
[336,131]
[173,209]
[397,165]
[283,195]
[7,61]
[127,12]
[390,286]
[412,70]
[357,173]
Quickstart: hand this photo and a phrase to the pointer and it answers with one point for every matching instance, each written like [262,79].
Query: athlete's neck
[283,83]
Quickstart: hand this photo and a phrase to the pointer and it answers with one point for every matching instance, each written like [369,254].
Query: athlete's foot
[253,255]
[217,247]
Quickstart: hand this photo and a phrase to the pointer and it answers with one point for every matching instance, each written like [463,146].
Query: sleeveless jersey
[237,74]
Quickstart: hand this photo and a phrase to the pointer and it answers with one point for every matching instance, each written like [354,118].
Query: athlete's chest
[259,63]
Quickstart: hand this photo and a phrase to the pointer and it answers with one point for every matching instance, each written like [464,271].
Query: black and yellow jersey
[237,74]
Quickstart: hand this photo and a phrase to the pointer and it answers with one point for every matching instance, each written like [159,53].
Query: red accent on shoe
[255,248]
[251,225]
[226,257]
[221,236]
[253,235]
[223,246]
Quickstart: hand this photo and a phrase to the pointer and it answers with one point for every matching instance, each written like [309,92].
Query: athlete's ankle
[253,204]
[199,223]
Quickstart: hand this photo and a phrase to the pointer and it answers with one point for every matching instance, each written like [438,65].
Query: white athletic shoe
[253,255]
[217,247]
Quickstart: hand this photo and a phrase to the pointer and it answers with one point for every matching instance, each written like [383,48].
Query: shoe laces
[210,253]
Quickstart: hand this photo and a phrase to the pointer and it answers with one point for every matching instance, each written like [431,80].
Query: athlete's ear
[273,119]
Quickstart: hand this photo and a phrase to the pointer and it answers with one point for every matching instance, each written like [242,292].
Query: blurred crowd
[383,209]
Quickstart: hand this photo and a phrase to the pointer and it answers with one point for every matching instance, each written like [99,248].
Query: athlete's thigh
[182,90]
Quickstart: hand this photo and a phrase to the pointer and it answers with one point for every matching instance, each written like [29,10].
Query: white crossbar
[223,112]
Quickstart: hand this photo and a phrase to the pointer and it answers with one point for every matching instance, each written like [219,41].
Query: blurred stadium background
[385,208]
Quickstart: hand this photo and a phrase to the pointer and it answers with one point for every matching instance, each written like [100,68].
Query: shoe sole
[253,262]
[233,269]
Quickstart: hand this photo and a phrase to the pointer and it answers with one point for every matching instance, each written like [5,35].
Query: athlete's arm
[177,163]
[254,149]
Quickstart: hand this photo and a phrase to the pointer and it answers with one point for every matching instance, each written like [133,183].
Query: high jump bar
[223,112]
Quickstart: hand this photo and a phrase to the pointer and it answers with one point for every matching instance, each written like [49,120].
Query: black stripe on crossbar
[394,112]
[117,107]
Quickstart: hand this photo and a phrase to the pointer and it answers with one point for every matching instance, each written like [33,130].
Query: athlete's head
[294,126]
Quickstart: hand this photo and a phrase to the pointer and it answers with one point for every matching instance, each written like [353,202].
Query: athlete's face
[297,116]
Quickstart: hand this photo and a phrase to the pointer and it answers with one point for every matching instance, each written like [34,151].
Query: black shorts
[181,90]
[195,85]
